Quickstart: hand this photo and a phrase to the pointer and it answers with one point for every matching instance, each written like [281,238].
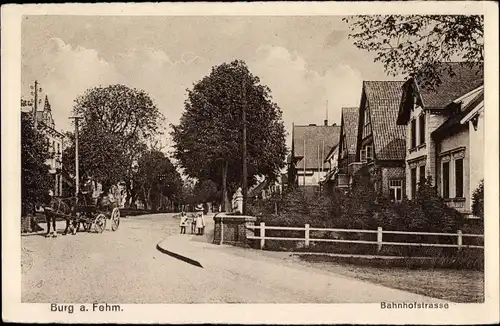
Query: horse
[67,209]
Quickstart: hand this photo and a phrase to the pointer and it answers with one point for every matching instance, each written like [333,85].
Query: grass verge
[462,286]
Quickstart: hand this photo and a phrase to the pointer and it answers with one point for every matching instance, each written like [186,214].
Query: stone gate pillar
[232,229]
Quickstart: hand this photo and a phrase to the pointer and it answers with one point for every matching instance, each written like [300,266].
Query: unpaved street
[126,267]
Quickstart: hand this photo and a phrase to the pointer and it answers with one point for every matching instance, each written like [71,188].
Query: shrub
[478,200]
[363,208]
[359,206]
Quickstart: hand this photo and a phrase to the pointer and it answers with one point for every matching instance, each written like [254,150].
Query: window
[366,123]
[459,178]
[367,116]
[446,180]
[396,190]
[413,182]
[422,174]
[369,152]
[421,122]
[413,134]
[363,155]
[366,154]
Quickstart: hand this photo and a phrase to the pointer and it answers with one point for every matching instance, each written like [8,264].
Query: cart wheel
[115,219]
[100,223]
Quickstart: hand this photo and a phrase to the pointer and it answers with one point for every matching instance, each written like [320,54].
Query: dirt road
[126,267]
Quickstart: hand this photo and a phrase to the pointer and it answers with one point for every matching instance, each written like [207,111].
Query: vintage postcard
[250,163]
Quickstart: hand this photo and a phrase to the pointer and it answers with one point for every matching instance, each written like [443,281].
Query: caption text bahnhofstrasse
[414,305]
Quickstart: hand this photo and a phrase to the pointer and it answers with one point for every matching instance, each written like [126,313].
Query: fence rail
[379,242]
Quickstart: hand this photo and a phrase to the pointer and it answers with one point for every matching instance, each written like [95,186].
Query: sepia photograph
[236,157]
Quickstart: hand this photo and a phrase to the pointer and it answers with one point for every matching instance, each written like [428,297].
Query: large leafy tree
[157,176]
[118,124]
[208,140]
[206,191]
[36,181]
[415,44]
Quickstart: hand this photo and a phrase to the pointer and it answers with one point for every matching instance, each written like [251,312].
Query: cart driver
[86,190]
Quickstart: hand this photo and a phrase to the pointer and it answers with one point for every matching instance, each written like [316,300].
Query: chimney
[326,119]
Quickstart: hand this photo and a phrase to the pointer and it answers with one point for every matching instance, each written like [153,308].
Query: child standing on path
[193,223]
[200,221]
[183,223]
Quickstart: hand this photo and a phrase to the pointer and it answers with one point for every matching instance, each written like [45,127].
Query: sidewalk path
[268,278]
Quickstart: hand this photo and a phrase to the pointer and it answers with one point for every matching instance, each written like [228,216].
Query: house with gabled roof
[459,144]
[347,145]
[44,123]
[310,146]
[438,142]
[380,141]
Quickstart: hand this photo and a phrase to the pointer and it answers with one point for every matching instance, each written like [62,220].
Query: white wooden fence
[307,239]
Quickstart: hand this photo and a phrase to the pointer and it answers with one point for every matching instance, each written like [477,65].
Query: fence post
[379,238]
[262,234]
[459,239]
[307,236]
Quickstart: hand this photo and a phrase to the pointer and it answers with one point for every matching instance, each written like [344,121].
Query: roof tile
[350,117]
[462,80]
[316,139]
[389,138]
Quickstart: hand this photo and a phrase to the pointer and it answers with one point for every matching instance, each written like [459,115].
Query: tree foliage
[156,176]
[209,137]
[35,178]
[206,191]
[478,200]
[118,123]
[415,44]
[434,214]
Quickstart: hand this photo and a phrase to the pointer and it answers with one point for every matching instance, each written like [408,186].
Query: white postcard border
[13,310]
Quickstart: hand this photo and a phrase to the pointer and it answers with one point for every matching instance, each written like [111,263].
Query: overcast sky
[304,60]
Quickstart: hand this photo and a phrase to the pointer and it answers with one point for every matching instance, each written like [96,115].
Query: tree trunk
[224,201]
[148,199]
[144,198]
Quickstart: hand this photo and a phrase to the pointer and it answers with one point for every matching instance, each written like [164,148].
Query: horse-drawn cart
[92,214]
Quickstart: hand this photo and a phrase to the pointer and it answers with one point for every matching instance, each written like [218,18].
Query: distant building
[310,147]
[265,188]
[347,146]
[327,183]
[380,141]
[45,123]
[445,134]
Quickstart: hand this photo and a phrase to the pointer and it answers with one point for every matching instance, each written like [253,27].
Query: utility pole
[34,92]
[244,154]
[77,175]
